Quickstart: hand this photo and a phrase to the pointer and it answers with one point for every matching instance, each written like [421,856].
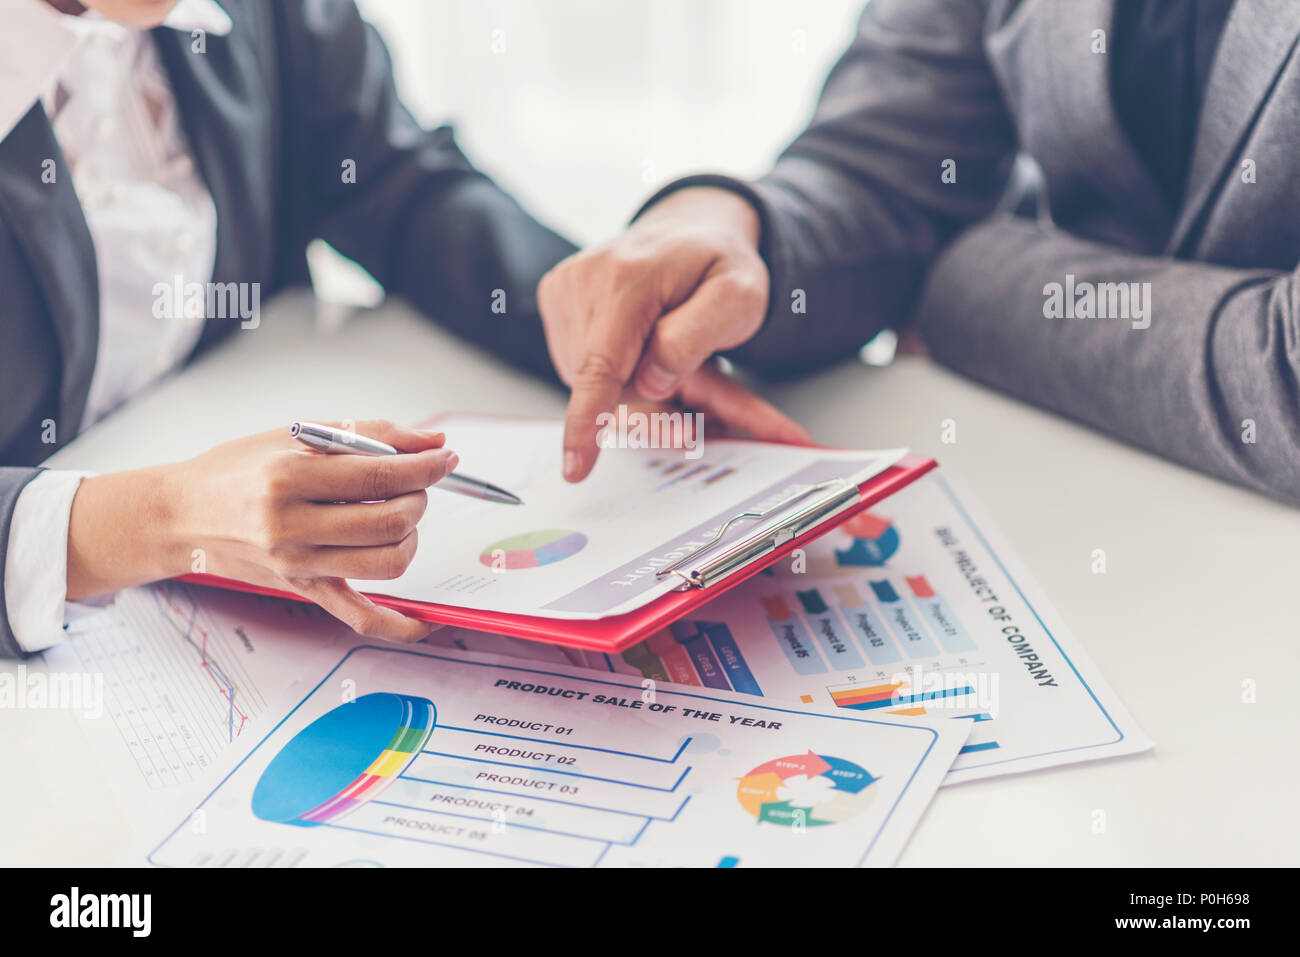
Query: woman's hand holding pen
[264,510]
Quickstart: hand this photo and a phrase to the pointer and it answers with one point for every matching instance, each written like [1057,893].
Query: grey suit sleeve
[858,206]
[12,482]
[419,217]
[1211,383]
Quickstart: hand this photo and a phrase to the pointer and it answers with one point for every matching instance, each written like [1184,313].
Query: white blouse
[151,220]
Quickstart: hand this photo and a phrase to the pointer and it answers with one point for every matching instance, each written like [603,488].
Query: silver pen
[325,438]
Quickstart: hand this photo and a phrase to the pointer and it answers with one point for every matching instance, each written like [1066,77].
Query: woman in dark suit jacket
[296,131]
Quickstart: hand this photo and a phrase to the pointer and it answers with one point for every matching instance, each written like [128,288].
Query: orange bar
[776,607]
[859,695]
[867,525]
[920,587]
[848,596]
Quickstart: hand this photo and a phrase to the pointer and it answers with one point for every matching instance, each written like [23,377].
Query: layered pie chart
[806,789]
[875,540]
[533,549]
[343,759]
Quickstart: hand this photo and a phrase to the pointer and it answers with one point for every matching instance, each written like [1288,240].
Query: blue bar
[933,695]
[972,748]
[811,601]
[884,591]
[733,663]
[706,665]
[841,654]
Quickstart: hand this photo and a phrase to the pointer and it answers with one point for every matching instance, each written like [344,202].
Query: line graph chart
[177,681]
[170,603]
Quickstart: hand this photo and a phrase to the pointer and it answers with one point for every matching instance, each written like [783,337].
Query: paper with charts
[916,607]
[189,675]
[586,551]
[407,757]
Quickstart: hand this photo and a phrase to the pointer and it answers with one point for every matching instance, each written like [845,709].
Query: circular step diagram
[806,789]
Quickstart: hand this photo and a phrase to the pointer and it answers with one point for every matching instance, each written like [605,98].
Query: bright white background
[582,107]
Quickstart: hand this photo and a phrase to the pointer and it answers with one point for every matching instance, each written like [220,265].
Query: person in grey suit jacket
[1151,294]
[163,165]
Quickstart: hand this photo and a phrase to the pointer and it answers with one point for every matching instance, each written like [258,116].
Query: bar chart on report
[855,631]
[915,609]
[857,644]
[671,473]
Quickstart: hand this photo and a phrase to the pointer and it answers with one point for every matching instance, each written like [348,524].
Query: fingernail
[570,464]
[452,461]
[657,379]
[434,436]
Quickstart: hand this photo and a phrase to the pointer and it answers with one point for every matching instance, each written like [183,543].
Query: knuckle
[272,529]
[277,478]
[623,265]
[753,294]
[394,562]
[287,562]
[749,291]
[732,285]
[381,479]
[597,369]
[673,349]
[406,553]
[551,287]
[435,470]
[394,524]
[361,620]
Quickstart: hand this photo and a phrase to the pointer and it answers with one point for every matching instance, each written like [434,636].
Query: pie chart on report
[533,549]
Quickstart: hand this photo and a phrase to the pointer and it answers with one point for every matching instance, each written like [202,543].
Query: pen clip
[766,539]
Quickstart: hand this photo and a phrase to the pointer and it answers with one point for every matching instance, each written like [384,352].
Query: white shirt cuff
[36,563]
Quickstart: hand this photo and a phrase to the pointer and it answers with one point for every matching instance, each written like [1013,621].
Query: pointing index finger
[607,366]
[595,390]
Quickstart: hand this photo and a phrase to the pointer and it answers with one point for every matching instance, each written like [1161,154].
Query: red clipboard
[618,632]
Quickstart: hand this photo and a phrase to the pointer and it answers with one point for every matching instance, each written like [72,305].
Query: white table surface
[1196,600]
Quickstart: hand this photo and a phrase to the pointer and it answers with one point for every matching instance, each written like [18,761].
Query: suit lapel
[46,218]
[1257,41]
[1088,124]
[221,96]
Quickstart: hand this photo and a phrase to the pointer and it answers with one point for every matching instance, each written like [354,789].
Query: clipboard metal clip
[767,538]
